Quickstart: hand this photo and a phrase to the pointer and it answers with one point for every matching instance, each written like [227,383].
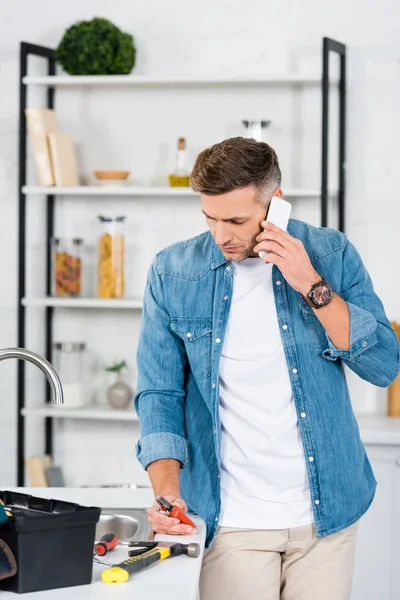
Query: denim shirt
[186,308]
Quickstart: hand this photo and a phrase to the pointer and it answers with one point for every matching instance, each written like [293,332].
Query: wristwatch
[320,294]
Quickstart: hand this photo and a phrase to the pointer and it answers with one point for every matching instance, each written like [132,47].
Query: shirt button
[217,341]
[215,432]
[294,371]
[284,326]
[316,501]
[216,518]
[213,385]
[189,335]
[219,476]
[330,351]
[365,344]
[278,282]
[303,415]
[229,268]
[311,458]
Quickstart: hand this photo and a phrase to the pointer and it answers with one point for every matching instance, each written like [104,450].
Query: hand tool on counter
[173,511]
[120,573]
[5,511]
[107,542]
[140,547]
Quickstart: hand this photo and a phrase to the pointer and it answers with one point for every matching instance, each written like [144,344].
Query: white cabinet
[377,567]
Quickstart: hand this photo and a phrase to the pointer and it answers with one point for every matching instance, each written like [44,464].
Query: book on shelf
[63,159]
[41,122]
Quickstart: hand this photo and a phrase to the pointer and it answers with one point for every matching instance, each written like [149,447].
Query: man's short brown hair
[236,163]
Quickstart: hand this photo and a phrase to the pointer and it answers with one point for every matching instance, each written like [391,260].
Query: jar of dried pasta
[111,258]
[66,266]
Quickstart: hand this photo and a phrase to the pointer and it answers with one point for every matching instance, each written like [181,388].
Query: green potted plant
[96,47]
[119,394]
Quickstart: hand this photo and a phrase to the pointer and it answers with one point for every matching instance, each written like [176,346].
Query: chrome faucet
[42,364]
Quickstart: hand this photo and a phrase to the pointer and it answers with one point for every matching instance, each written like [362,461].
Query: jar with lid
[111,258]
[256,129]
[70,362]
[66,266]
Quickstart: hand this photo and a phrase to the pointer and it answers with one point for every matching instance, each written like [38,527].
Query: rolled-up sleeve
[374,348]
[160,396]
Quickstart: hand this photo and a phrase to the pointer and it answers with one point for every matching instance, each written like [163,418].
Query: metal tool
[107,563]
[173,511]
[42,364]
[6,509]
[120,573]
[5,513]
[107,542]
[140,547]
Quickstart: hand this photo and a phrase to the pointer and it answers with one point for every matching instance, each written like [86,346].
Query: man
[242,397]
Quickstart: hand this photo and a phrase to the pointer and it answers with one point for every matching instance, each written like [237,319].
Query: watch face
[321,295]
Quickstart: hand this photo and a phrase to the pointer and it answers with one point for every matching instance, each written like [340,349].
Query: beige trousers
[285,564]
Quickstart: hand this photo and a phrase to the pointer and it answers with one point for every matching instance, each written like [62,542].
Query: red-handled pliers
[173,511]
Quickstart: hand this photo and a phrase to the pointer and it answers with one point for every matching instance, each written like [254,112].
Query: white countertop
[171,579]
[175,579]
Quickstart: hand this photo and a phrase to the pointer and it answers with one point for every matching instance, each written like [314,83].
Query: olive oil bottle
[180,177]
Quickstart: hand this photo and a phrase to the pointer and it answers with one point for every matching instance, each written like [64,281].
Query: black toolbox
[52,542]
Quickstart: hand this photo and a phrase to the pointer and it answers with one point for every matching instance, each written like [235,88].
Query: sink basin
[127,524]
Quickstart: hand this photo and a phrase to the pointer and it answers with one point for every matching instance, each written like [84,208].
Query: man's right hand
[165,524]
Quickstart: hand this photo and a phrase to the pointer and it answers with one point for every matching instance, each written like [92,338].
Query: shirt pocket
[314,329]
[196,334]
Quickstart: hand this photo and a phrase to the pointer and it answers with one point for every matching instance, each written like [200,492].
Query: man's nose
[222,234]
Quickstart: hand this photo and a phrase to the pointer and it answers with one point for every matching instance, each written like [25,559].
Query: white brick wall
[136,129]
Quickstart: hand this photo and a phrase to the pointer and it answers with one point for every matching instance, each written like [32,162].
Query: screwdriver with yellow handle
[5,512]
[120,573]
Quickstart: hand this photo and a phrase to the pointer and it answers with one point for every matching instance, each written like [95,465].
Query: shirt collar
[217,258]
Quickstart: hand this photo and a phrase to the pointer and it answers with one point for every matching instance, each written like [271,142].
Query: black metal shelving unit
[48,54]
[329,46]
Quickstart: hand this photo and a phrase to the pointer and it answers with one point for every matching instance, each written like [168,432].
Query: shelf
[93,190]
[108,190]
[125,303]
[99,413]
[145,80]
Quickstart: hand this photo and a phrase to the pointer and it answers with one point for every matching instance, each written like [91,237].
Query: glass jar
[69,359]
[66,266]
[256,129]
[111,255]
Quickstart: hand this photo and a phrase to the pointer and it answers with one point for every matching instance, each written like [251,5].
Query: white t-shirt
[264,482]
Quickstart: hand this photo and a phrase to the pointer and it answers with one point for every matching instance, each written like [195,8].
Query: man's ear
[278,192]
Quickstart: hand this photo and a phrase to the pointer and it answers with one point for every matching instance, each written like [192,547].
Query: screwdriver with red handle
[107,542]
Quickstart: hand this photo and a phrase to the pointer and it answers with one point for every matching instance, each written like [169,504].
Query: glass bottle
[70,364]
[111,258]
[66,266]
[180,177]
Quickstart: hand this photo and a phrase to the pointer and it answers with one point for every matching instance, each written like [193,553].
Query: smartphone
[278,214]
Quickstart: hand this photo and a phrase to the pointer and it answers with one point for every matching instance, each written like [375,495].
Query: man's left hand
[289,255]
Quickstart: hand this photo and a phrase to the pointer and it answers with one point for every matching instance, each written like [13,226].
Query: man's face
[234,220]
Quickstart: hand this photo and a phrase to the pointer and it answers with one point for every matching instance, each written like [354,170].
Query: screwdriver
[6,509]
[107,542]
